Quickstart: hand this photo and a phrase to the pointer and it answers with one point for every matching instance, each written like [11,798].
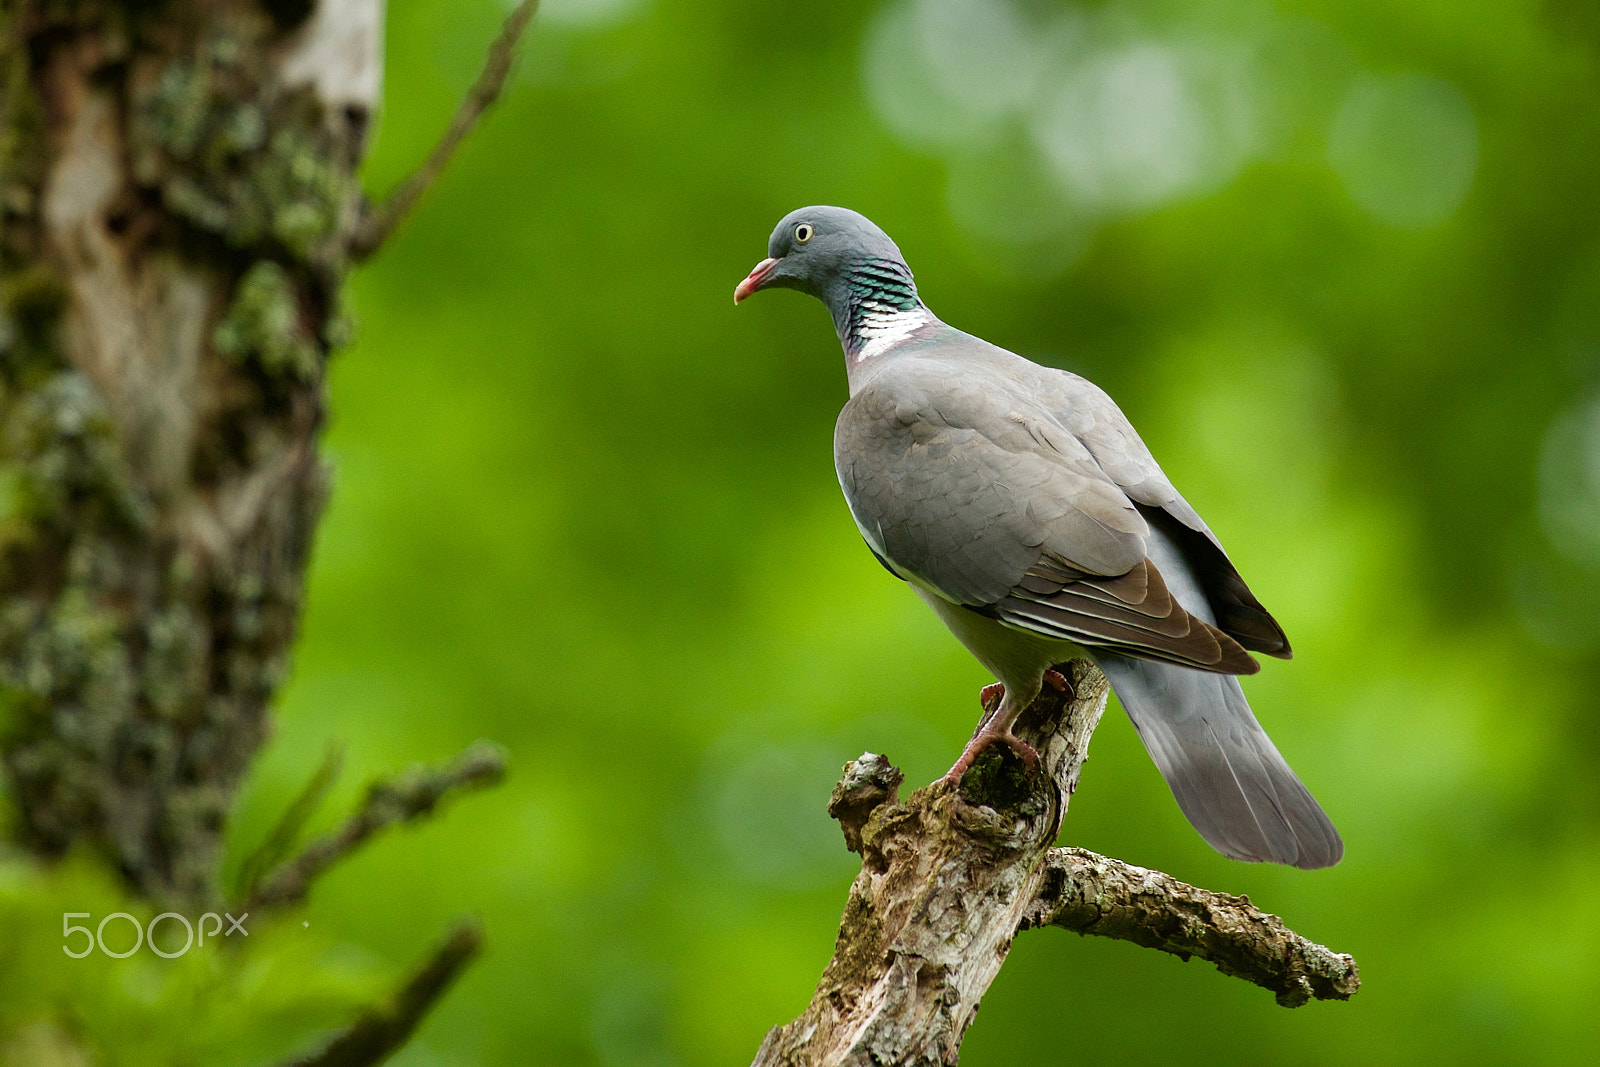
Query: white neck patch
[881,327]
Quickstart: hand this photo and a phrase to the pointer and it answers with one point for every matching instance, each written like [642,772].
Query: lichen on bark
[176,213]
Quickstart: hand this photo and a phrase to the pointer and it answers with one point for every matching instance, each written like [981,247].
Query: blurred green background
[1338,260]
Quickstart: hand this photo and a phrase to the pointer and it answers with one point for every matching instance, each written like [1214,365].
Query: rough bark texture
[177,214]
[1092,894]
[177,198]
[950,876]
[945,878]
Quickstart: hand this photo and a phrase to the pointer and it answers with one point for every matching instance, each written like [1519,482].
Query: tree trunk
[177,193]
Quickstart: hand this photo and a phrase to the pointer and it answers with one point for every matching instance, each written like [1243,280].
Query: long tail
[1224,770]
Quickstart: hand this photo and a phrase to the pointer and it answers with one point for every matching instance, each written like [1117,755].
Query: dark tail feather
[1222,767]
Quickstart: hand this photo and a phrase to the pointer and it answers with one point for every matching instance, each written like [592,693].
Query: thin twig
[1093,894]
[383,1028]
[274,848]
[407,796]
[381,220]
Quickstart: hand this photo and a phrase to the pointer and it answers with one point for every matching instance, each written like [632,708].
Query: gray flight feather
[1020,503]
[1223,769]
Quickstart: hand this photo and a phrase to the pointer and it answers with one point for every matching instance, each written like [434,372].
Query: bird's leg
[990,697]
[991,733]
[996,727]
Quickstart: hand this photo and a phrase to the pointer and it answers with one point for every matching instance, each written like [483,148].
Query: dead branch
[379,221]
[943,884]
[1091,894]
[951,875]
[410,795]
[275,847]
[375,1036]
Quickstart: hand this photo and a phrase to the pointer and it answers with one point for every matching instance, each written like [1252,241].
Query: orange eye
[803,232]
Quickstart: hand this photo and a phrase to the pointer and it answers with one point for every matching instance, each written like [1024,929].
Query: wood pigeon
[1020,504]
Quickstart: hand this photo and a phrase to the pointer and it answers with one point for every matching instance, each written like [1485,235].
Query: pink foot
[989,696]
[985,738]
[1056,680]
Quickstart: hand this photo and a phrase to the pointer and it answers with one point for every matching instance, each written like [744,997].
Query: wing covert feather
[1093,417]
[1024,493]
[953,488]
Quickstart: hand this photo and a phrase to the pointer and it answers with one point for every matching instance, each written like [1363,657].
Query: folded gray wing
[1090,415]
[974,492]
[1134,614]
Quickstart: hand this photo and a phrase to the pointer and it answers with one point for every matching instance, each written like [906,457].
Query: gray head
[838,256]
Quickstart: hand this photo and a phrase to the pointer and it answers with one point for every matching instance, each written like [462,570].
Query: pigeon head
[838,256]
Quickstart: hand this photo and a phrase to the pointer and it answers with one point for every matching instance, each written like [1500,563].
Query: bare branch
[409,795]
[274,848]
[375,1036]
[381,220]
[943,884]
[949,876]
[1091,894]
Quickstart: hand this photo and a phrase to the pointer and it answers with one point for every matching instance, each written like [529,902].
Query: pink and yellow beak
[755,279]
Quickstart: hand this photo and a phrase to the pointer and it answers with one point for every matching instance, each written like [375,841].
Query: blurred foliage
[1338,260]
[214,995]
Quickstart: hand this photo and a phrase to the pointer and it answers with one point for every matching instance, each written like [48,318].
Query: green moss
[340,327]
[188,199]
[80,650]
[60,436]
[134,663]
[263,323]
[308,191]
[211,157]
[172,669]
[179,109]
[18,709]
[242,130]
[998,779]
